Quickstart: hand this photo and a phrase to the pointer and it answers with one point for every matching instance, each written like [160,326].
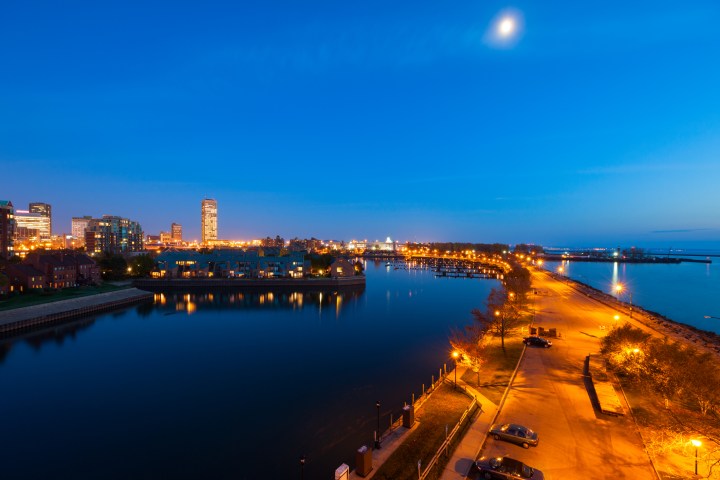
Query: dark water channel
[226,385]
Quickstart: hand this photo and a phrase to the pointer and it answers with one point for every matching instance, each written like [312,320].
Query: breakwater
[26,318]
[159,284]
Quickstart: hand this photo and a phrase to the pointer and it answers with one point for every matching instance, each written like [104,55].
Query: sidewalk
[469,448]
[390,443]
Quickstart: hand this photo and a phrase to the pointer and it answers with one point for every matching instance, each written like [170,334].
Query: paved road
[550,395]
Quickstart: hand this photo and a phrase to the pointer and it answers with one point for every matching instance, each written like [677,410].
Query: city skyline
[587,127]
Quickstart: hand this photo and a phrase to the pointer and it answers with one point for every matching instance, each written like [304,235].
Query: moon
[506,27]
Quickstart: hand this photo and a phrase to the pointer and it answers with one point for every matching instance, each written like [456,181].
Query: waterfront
[685,292]
[227,385]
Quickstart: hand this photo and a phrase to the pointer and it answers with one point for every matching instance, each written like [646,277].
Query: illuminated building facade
[45,210]
[176,230]
[112,234]
[79,224]
[7,228]
[208,220]
[32,226]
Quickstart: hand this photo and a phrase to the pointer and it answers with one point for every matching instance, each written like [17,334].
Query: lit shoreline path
[551,394]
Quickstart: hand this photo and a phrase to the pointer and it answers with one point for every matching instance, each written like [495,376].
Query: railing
[444,447]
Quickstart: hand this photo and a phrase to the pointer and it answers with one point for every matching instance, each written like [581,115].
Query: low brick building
[23,277]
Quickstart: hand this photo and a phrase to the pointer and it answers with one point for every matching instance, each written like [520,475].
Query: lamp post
[697,444]
[302,467]
[456,355]
[377,433]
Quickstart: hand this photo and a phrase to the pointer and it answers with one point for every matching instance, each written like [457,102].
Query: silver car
[518,434]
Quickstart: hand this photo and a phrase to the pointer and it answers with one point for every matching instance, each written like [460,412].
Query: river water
[684,292]
[220,385]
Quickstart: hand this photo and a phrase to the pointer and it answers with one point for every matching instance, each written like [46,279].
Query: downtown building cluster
[23,231]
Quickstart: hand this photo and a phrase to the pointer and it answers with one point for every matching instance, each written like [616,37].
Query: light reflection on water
[683,292]
[226,385]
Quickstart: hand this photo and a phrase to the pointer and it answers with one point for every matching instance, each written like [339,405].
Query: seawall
[26,318]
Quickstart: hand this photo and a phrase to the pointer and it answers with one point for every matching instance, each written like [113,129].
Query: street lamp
[697,444]
[302,467]
[456,355]
[377,433]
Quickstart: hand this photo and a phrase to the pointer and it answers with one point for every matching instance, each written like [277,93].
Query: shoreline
[22,319]
[704,340]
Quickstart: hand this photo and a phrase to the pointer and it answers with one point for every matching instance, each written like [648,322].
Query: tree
[517,281]
[626,348]
[141,265]
[113,267]
[471,347]
[500,316]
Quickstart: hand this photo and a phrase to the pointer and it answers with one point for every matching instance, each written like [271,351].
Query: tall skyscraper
[7,228]
[176,230]
[208,220]
[45,210]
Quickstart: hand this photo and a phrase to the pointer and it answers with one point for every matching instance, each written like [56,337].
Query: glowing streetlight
[696,444]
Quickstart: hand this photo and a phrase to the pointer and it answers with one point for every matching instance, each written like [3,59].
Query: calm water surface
[226,385]
[683,292]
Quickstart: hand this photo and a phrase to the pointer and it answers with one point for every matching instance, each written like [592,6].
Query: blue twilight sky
[596,123]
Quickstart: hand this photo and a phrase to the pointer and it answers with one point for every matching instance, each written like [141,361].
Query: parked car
[505,468]
[537,342]
[511,432]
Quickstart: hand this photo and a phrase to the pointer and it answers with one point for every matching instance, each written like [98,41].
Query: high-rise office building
[113,234]
[32,226]
[79,224]
[208,220]
[45,210]
[7,228]
[176,230]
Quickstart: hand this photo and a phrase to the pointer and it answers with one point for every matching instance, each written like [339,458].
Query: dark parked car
[514,433]
[506,468]
[537,342]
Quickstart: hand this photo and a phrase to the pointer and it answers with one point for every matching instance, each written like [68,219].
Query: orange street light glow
[696,443]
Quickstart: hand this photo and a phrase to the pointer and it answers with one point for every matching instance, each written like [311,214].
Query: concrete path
[70,306]
[469,448]
[390,443]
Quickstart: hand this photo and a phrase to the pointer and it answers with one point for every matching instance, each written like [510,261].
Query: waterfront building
[32,226]
[176,230]
[165,237]
[7,228]
[231,263]
[113,234]
[64,269]
[45,210]
[24,277]
[79,224]
[208,220]
[342,268]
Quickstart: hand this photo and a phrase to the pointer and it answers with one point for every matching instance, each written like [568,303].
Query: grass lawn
[35,298]
[444,407]
[495,374]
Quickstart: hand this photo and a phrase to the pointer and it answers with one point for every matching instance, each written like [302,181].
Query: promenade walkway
[25,317]
[469,448]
